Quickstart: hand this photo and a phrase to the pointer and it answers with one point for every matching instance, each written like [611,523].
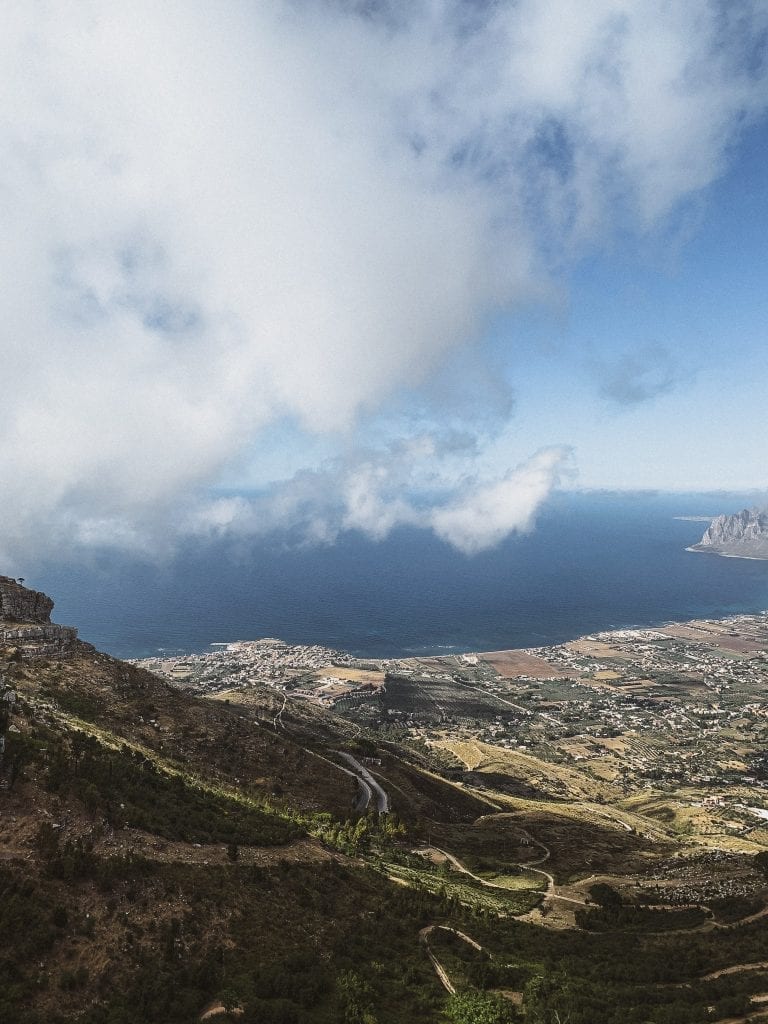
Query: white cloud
[414,484]
[484,515]
[215,216]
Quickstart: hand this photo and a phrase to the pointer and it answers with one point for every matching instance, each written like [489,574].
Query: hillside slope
[169,858]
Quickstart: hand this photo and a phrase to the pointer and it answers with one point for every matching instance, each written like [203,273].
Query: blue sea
[594,561]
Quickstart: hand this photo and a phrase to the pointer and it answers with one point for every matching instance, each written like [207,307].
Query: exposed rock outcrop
[26,630]
[742,535]
[20,604]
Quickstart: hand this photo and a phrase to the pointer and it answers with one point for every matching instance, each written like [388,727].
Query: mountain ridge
[741,534]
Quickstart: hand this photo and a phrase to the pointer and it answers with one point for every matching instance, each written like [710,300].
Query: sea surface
[593,562]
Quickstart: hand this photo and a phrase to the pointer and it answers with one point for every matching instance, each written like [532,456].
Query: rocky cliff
[742,535]
[25,624]
[19,604]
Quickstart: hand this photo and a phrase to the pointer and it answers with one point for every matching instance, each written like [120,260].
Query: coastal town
[681,709]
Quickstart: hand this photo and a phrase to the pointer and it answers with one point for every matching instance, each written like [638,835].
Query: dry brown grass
[351,675]
[597,649]
[511,664]
[553,779]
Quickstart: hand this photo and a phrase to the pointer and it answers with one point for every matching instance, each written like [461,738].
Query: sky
[310,266]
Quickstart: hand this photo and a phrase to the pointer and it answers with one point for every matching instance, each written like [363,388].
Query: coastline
[724,554]
[325,658]
[638,659]
[584,569]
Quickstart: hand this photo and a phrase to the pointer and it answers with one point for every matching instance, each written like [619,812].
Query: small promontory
[741,535]
[26,630]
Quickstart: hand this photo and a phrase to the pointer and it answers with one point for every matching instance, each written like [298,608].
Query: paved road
[368,785]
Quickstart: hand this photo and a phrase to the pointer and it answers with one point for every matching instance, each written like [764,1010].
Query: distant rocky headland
[741,535]
[26,630]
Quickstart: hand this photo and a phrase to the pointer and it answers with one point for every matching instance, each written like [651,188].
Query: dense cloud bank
[216,217]
[377,491]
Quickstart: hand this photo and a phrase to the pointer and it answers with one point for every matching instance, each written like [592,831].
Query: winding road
[445,980]
[368,785]
[441,972]
[424,851]
[278,719]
